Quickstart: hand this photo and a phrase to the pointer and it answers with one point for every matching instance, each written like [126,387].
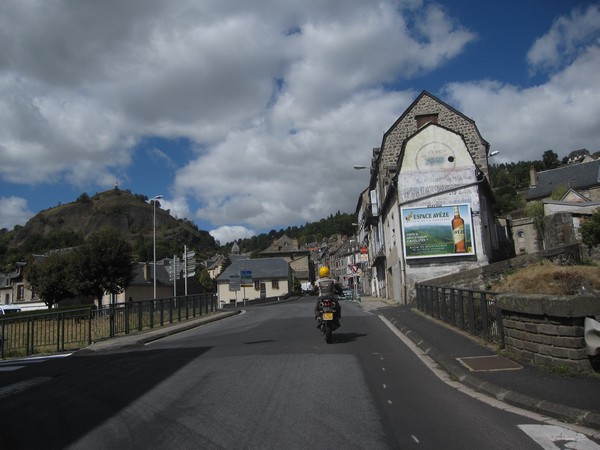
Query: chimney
[532,177]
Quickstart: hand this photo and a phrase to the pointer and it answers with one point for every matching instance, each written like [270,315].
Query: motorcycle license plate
[327,316]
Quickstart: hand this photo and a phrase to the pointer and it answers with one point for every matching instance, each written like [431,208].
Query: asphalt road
[264,379]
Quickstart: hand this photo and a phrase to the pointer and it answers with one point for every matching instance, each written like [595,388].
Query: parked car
[9,309]
[309,289]
[347,293]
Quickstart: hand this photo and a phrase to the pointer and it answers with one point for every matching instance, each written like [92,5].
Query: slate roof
[574,176]
[262,268]
[284,245]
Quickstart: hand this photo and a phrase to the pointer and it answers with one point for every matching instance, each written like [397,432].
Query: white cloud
[227,233]
[278,99]
[566,39]
[522,123]
[14,212]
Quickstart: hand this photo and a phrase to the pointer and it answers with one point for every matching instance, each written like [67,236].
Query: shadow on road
[84,392]
[344,338]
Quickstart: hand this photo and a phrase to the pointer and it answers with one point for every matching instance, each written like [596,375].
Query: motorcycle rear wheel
[329,332]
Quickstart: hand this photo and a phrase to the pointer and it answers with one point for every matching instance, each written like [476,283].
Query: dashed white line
[496,403]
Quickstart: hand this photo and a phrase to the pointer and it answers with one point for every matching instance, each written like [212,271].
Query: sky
[250,115]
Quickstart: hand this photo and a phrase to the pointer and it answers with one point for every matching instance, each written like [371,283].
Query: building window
[20,292]
[256,285]
[275,284]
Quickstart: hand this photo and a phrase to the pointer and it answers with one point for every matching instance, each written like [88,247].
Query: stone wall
[547,330]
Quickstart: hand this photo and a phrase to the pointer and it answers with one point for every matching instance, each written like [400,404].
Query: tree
[559,191]
[208,284]
[590,230]
[51,277]
[535,211]
[104,264]
[550,160]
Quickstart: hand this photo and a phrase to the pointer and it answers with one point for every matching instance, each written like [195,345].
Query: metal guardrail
[73,329]
[471,310]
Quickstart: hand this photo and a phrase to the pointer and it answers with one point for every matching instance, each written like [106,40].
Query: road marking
[10,368]
[414,438]
[16,364]
[551,437]
[492,401]
[21,386]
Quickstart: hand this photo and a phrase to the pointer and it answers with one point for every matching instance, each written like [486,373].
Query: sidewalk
[144,337]
[572,399]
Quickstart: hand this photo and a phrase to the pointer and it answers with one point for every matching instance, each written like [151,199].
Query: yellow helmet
[324,272]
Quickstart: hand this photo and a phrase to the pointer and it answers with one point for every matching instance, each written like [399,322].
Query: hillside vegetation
[131,215]
[552,279]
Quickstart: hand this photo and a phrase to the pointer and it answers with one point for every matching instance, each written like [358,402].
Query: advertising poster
[437,231]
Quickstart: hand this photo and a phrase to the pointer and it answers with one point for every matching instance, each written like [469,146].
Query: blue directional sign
[246,278]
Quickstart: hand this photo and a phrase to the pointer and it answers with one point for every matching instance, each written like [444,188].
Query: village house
[297,257]
[254,279]
[569,194]
[429,211]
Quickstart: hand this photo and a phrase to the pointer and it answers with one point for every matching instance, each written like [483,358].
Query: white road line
[10,368]
[21,386]
[445,377]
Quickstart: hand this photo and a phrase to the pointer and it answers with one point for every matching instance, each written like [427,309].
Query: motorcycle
[327,310]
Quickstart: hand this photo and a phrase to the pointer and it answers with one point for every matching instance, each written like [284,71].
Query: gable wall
[448,118]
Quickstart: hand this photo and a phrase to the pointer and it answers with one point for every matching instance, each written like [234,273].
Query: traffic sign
[234,282]
[246,278]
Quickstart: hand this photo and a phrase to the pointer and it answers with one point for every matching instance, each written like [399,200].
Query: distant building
[579,187]
[584,179]
[577,156]
[269,278]
[297,257]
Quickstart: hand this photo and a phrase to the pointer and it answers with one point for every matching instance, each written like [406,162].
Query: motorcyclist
[328,288]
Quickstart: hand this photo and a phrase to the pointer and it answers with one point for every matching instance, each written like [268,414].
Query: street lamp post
[156,197]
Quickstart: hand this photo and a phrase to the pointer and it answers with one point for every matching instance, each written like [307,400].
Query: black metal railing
[57,331]
[471,310]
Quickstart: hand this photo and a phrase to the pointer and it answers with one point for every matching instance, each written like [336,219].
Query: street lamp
[357,167]
[156,197]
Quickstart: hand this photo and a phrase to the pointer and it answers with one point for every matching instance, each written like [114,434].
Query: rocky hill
[132,215]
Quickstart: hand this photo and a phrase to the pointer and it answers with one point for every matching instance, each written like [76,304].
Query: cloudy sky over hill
[250,115]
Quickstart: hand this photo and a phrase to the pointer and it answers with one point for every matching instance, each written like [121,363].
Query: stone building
[297,257]
[569,195]
[431,160]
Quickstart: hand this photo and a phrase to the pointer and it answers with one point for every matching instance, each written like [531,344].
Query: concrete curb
[145,337]
[564,413]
